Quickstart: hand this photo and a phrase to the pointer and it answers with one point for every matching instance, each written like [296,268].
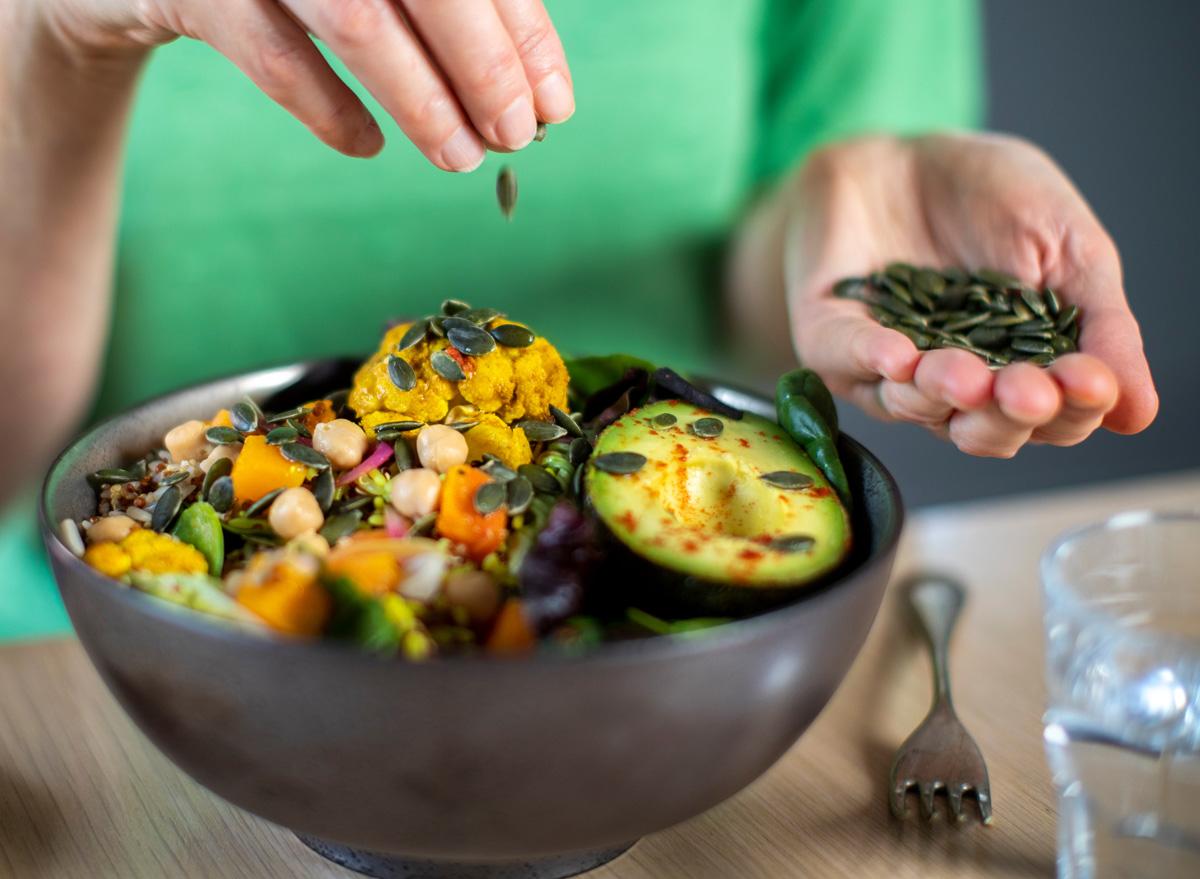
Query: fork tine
[984,795]
[954,793]
[928,808]
[897,799]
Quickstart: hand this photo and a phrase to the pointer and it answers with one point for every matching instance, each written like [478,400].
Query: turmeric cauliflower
[512,383]
[146,551]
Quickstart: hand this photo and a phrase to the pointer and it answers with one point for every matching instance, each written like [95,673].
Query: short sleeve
[836,68]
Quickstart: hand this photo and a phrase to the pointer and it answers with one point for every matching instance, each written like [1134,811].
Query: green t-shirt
[245,242]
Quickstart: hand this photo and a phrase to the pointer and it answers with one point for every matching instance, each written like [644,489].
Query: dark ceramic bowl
[543,765]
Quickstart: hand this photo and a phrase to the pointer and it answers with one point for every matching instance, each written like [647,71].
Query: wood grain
[82,794]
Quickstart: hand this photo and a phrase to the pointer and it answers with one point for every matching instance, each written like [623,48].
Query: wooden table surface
[82,794]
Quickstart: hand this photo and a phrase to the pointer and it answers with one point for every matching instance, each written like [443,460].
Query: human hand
[972,201]
[456,75]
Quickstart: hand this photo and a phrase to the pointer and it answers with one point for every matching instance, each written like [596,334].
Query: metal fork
[939,753]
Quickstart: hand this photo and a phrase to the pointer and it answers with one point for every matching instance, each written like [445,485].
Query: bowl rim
[605,653]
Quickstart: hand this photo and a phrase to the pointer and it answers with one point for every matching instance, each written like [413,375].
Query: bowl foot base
[385,866]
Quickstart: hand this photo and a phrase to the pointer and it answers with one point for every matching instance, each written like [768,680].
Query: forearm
[62,118]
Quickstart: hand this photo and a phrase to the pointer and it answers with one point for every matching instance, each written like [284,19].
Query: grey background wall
[1111,89]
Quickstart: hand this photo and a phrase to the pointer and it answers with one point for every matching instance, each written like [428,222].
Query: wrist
[90,51]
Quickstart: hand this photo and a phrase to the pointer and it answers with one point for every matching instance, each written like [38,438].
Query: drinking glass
[1122,734]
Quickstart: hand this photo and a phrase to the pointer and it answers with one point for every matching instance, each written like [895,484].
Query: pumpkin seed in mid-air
[513,335]
[305,455]
[413,334]
[472,340]
[708,428]
[663,419]
[447,367]
[540,133]
[619,463]
[489,497]
[541,431]
[166,508]
[789,480]
[506,191]
[401,373]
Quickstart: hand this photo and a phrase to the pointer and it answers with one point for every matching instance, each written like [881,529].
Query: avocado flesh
[699,508]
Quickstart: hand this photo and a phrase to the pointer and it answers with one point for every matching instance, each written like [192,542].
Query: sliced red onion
[377,458]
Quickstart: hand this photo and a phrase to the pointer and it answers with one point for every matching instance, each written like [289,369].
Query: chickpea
[186,442]
[311,543]
[343,442]
[476,593]
[111,528]
[440,447]
[230,451]
[294,512]
[416,493]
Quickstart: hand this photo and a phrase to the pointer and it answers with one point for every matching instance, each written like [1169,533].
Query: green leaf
[592,374]
[360,618]
[200,526]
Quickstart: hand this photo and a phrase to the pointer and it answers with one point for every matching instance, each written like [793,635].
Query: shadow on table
[31,826]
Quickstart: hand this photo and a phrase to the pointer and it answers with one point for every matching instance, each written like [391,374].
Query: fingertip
[370,140]
[1086,382]
[958,378]
[1027,394]
[1134,412]
[554,99]
[891,354]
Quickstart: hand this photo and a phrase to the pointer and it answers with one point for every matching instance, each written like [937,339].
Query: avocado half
[696,529]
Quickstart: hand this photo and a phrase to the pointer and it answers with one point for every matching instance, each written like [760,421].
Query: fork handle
[936,601]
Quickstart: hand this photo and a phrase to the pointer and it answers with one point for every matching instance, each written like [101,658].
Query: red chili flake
[467,363]
[745,442]
[691,546]
[628,520]
[750,555]
[820,492]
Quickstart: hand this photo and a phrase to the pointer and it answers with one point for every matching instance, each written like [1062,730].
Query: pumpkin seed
[789,480]
[923,299]
[260,505]
[166,508]
[619,463]
[297,412]
[447,367]
[849,287]
[391,437]
[454,306]
[1031,346]
[897,289]
[539,133]
[987,337]
[506,191]
[921,340]
[541,431]
[566,422]
[464,426]
[540,478]
[220,493]
[1034,300]
[663,419]
[222,436]
[401,373]
[577,484]
[580,451]
[300,428]
[176,478]
[1053,303]
[518,496]
[351,504]
[452,323]
[305,455]
[281,435]
[402,453]
[337,527]
[399,426]
[967,322]
[708,428]
[929,282]
[1003,320]
[952,297]
[481,316]
[1066,318]
[437,326]
[220,467]
[323,489]
[498,471]
[113,476]
[1041,359]
[423,527]
[472,341]
[793,543]
[513,335]
[414,334]
[999,279]
[243,418]
[1063,345]
[901,271]
[489,497]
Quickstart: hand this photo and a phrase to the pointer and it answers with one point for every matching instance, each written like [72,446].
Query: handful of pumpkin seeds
[994,315]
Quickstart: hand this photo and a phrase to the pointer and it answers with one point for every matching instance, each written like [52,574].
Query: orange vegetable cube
[260,469]
[374,573]
[288,599]
[459,521]
[511,633]
[221,419]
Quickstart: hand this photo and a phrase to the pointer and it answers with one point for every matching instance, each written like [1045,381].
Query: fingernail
[463,152]
[517,125]
[370,140]
[554,99]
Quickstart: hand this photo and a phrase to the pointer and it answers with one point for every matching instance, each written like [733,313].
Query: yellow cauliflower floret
[513,383]
[108,558]
[383,416]
[147,551]
[491,436]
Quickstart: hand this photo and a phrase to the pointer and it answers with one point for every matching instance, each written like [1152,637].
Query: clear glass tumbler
[1122,735]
